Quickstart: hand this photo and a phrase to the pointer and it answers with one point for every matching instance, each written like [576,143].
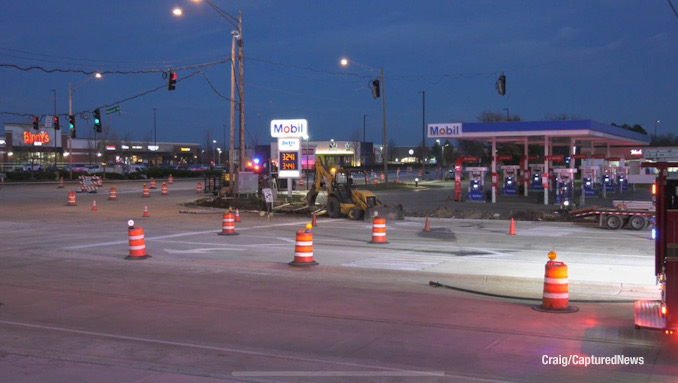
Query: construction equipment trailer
[635,214]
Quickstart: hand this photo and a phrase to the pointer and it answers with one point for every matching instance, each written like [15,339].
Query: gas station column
[545,175]
[493,177]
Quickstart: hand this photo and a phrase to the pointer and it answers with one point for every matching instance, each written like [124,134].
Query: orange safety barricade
[556,288]
[113,194]
[71,199]
[137,244]
[164,189]
[228,224]
[147,192]
[153,184]
[378,231]
[198,188]
[303,248]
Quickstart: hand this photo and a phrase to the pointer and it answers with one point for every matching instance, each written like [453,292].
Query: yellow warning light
[654,188]
[663,309]
[333,170]
[552,255]
[309,226]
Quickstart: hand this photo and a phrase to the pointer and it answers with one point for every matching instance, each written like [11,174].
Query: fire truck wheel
[637,222]
[613,222]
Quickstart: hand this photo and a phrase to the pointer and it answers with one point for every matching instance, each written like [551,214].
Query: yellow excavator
[345,200]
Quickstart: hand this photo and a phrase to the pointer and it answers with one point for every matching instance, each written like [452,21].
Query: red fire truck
[663,314]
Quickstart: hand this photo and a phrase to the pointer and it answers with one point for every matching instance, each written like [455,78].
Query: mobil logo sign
[289,128]
[452,130]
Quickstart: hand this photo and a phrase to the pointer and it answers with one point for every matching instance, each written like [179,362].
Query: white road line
[101,244]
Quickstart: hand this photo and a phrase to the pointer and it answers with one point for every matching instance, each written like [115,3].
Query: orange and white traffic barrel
[153,184]
[198,187]
[164,190]
[378,230]
[61,183]
[228,224]
[113,194]
[71,199]
[556,296]
[137,243]
[303,248]
[147,192]
[170,179]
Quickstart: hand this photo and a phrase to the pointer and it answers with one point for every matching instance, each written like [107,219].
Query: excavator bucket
[387,212]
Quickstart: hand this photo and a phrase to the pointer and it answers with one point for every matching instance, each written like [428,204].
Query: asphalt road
[208,308]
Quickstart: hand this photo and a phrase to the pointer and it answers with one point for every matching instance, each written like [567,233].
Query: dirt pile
[528,215]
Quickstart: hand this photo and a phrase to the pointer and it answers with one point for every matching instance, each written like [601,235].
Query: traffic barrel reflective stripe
[71,199]
[164,189]
[147,192]
[228,224]
[556,286]
[112,194]
[137,244]
[378,231]
[303,249]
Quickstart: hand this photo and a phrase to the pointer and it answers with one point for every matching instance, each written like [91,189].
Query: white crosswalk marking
[397,263]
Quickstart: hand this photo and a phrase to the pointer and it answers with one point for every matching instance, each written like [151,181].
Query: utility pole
[384,154]
[55,131]
[423,134]
[241,91]
[155,135]
[362,147]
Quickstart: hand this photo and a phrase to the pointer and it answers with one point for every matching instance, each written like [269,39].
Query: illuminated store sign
[36,139]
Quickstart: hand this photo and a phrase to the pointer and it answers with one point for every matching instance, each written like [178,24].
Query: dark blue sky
[610,61]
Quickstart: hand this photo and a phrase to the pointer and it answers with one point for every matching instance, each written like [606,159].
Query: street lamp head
[177,11]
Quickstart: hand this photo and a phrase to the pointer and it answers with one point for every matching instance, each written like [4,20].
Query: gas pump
[476,186]
[565,186]
[589,180]
[607,178]
[622,178]
[510,177]
[663,314]
[535,180]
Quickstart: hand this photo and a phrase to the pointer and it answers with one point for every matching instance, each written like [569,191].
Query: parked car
[34,167]
[76,168]
[198,168]
[136,168]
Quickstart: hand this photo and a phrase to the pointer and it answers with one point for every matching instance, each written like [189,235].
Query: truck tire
[355,214]
[613,222]
[333,207]
[637,222]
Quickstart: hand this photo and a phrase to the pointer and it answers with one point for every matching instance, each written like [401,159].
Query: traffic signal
[71,125]
[172,81]
[375,88]
[56,123]
[36,123]
[501,84]
[97,120]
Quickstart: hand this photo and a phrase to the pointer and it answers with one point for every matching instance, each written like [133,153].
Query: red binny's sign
[39,139]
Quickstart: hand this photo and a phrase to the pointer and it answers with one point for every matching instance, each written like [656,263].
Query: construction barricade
[556,296]
[137,244]
[228,224]
[71,199]
[113,194]
[303,248]
[378,231]
[164,190]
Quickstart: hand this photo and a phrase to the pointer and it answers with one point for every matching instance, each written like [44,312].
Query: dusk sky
[609,61]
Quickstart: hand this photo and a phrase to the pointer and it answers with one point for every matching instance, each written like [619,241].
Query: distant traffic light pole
[71,88]
[56,127]
[376,93]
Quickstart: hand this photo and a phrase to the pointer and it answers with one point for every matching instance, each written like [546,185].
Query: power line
[672,7]
[85,72]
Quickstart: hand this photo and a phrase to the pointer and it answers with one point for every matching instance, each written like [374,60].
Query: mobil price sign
[289,128]
[451,130]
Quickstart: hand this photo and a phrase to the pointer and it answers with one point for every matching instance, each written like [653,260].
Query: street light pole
[655,130]
[362,147]
[423,133]
[231,147]
[55,132]
[70,138]
[241,90]
[155,136]
[384,154]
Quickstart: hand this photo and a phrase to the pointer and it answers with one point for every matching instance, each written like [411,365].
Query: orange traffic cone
[146,211]
[237,215]
[94,205]
[512,229]
[427,227]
